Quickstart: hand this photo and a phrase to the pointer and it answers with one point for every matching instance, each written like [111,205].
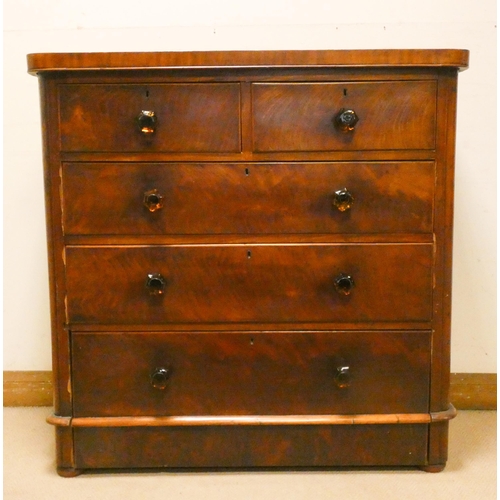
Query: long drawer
[215,198]
[249,283]
[251,446]
[163,117]
[303,116]
[251,373]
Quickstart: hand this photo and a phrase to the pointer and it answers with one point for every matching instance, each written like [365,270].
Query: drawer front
[199,198]
[251,446]
[301,116]
[189,117]
[277,373]
[249,283]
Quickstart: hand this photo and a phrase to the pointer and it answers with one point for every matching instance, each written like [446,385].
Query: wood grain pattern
[440,366]
[38,63]
[468,391]
[300,116]
[250,373]
[245,420]
[245,153]
[251,446]
[249,283]
[191,117]
[247,198]
[239,420]
[61,363]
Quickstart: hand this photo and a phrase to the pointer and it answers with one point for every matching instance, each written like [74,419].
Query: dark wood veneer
[301,116]
[298,59]
[260,240]
[191,117]
[249,283]
[232,373]
[248,447]
[247,198]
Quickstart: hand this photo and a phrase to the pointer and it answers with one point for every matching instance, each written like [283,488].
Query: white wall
[96,26]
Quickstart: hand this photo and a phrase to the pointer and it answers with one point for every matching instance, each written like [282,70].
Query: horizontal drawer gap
[166,157]
[223,160]
[260,244]
[246,239]
[196,328]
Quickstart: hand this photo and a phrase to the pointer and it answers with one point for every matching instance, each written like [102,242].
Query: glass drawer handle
[343,200]
[343,284]
[147,121]
[156,284]
[342,377]
[159,378]
[346,120]
[153,200]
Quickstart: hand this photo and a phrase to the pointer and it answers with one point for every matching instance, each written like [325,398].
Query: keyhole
[147,93]
[247,172]
[345,92]
[249,254]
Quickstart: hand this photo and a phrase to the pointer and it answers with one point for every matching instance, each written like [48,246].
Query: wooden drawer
[190,117]
[301,116]
[214,198]
[251,446]
[251,373]
[249,283]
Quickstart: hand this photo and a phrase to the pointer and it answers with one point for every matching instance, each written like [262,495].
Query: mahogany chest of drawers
[250,257]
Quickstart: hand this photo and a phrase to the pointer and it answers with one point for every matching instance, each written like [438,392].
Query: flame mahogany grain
[212,177]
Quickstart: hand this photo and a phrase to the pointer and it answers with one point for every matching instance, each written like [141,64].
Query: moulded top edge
[43,62]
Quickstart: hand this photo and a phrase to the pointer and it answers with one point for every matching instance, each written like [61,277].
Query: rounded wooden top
[39,63]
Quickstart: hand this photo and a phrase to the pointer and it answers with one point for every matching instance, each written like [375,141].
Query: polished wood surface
[300,116]
[250,235]
[251,446]
[191,117]
[249,283]
[300,58]
[250,373]
[239,420]
[247,198]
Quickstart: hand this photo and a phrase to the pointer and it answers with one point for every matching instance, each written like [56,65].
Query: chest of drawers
[250,257]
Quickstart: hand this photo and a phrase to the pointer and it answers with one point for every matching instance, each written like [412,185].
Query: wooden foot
[69,471]
[433,468]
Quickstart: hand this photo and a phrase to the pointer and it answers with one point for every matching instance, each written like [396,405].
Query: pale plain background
[185,25]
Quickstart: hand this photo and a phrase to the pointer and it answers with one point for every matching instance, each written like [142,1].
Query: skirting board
[468,391]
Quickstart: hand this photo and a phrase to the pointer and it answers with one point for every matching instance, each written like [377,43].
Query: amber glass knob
[342,376]
[159,378]
[156,284]
[343,200]
[153,200]
[346,120]
[147,122]
[344,284]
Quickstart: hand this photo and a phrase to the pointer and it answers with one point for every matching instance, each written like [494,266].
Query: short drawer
[272,198]
[187,117]
[249,283]
[303,116]
[250,373]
